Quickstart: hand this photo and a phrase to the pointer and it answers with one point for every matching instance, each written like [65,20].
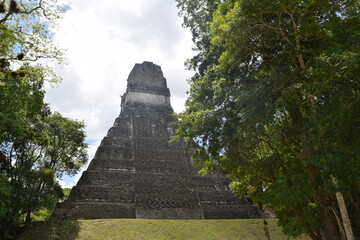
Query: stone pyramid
[137,173]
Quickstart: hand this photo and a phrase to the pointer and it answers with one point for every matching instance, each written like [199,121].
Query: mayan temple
[137,173]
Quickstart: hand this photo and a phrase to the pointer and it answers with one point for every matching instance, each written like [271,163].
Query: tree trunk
[28,217]
[266,229]
[339,222]
[343,211]
[315,235]
[330,230]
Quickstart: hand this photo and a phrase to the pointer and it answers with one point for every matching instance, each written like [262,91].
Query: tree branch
[24,11]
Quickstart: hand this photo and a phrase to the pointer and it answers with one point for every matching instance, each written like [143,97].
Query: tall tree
[36,146]
[276,109]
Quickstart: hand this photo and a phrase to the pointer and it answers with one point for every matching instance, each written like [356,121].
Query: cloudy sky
[104,39]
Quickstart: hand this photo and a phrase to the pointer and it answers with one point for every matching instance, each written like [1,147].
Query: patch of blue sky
[91,142]
[65,8]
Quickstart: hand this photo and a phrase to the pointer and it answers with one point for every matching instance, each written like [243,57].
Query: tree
[36,148]
[27,29]
[36,145]
[276,108]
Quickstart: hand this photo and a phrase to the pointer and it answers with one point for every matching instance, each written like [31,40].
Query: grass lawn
[111,229]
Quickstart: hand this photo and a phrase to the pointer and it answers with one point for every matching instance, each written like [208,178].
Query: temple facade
[138,173]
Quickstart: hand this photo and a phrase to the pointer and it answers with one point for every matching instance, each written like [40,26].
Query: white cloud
[104,39]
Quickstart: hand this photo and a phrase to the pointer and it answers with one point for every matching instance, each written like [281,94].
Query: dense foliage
[275,103]
[36,146]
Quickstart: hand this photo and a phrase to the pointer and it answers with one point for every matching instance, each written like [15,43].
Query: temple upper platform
[146,84]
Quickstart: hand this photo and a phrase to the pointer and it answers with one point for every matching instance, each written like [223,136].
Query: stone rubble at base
[137,173]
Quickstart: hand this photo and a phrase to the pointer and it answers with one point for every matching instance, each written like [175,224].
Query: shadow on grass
[52,230]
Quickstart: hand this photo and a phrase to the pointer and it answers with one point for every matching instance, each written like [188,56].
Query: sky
[103,41]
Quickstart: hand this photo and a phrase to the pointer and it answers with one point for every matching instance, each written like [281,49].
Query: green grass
[111,229]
